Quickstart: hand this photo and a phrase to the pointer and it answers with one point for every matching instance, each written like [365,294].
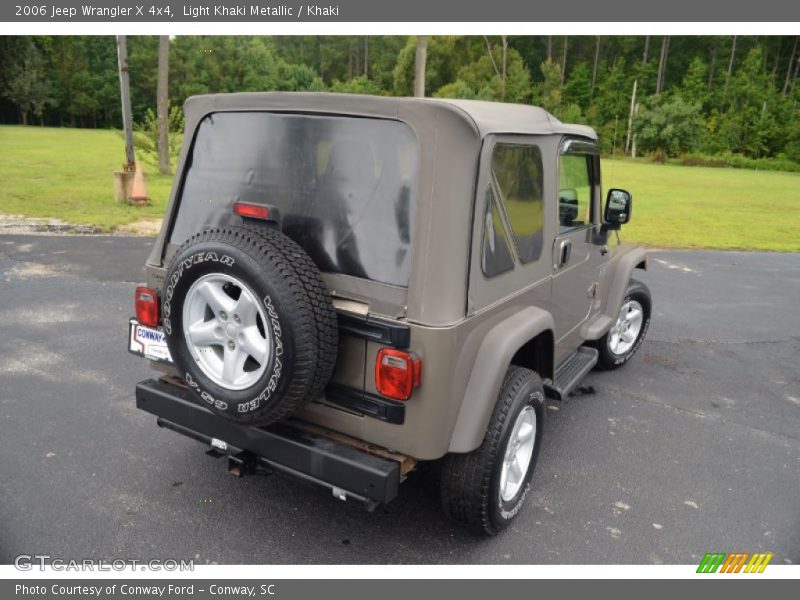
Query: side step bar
[571,372]
[283,447]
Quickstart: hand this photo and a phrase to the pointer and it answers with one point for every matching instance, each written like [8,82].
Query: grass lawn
[67,173]
[701,207]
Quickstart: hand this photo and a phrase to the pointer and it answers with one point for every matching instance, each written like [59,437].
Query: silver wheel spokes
[625,331]
[518,454]
[225,330]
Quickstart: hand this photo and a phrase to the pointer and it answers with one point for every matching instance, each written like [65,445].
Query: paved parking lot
[693,447]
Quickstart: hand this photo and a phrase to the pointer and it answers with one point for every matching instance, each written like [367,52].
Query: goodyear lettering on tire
[195,259]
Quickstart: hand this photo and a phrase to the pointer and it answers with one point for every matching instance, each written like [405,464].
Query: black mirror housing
[618,207]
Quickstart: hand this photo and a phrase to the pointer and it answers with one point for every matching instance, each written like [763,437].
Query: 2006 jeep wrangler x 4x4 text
[344,286]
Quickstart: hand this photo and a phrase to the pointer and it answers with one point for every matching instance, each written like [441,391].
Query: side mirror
[618,208]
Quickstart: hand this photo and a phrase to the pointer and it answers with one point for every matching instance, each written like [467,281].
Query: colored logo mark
[735,562]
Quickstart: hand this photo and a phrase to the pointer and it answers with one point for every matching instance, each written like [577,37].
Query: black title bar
[496,11]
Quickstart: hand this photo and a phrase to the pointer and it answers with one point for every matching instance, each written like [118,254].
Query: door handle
[564,252]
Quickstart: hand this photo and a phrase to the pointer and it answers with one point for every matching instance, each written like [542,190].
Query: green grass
[67,173]
[701,207]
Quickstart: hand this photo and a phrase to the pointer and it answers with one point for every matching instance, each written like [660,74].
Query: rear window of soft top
[345,186]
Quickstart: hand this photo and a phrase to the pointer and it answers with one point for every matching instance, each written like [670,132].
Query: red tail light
[254,211]
[397,373]
[146,306]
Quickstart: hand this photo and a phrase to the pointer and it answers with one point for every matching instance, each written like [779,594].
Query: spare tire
[249,323]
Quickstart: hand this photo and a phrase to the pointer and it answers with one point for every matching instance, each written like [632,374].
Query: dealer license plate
[148,342]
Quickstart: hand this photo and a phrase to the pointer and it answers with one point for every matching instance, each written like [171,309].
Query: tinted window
[344,186]
[518,172]
[496,255]
[574,191]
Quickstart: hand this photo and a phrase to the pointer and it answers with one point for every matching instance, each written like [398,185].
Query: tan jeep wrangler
[347,285]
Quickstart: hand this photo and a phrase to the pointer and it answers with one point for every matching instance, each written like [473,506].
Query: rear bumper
[282,447]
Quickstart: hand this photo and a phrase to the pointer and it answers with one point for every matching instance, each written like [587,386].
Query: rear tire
[249,323]
[482,489]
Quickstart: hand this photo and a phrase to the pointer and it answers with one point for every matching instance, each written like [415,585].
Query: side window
[517,170]
[574,192]
[496,255]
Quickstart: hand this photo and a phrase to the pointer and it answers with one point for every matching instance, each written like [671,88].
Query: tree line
[712,96]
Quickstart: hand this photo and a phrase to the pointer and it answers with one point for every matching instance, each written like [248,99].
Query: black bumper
[350,473]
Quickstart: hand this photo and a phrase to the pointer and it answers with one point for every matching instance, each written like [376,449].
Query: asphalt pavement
[692,447]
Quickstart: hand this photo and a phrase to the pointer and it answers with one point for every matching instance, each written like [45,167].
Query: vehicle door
[576,255]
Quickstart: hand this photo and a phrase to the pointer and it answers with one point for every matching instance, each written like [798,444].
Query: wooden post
[131,180]
[125,95]
[420,59]
[162,105]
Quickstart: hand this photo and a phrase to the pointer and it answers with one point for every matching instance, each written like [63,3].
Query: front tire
[622,341]
[486,488]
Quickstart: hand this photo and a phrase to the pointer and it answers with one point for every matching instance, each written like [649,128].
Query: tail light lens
[397,373]
[146,306]
[252,211]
